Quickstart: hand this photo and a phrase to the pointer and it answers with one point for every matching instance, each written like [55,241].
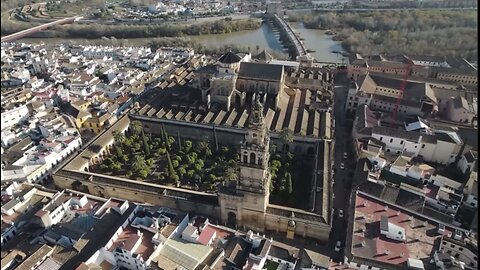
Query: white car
[338,246]
[345,155]
[340,213]
[342,166]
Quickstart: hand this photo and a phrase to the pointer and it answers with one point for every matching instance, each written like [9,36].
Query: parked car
[340,213]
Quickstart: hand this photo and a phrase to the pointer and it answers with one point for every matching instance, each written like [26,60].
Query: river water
[266,37]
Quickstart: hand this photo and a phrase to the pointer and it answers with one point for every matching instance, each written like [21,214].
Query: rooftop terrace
[369,244]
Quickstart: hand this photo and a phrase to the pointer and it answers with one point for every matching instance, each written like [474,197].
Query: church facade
[234,80]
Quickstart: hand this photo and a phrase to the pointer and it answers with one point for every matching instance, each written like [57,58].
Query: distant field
[73,9]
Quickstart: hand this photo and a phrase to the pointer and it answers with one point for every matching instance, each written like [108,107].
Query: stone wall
[106,187]
[303,228]
[225,135]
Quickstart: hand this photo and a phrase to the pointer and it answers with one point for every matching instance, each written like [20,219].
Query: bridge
[296,46]
[30,31]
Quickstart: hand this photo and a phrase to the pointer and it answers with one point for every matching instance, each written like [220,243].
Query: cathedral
[235,80]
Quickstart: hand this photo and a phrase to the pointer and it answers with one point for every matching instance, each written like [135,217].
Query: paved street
[341,176]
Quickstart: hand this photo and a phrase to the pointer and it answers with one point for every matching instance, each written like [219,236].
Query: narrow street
[343,166]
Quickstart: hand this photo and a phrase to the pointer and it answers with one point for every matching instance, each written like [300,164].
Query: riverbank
[254,41]
[121,30]
[420,32]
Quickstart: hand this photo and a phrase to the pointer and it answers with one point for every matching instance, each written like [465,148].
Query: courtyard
[200,165]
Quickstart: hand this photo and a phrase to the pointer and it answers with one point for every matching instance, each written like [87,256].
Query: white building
[381,94]
[429,61]
[14,115]
[38,161]
[467,161]
[459,110]
[391,231]
[442,147]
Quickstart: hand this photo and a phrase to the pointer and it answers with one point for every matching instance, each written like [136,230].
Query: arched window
[252,158]
[245,158]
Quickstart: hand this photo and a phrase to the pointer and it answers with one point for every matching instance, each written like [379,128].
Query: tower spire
[257,119]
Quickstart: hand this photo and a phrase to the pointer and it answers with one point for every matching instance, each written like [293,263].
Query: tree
[175,179]
[288,184]
[211,177]
[170,141]
[170,168]
[116,166]
[118,151]
[187,146]
[231,174]
[175,163]
[199,165]
[108,162]
[182,171]
[203,148]
[157,143]
[136,127]
[150,162]
[146,146]
[136,147]
[286,135]
[192,158]
[161,151]
[143,173]
[190,173]
[139,166]
[103,167]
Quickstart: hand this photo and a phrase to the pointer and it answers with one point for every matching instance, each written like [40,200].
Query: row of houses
[416,98]
[72,230]
[453,70]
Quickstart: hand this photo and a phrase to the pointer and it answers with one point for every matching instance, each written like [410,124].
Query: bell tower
[254,178]
[244,202]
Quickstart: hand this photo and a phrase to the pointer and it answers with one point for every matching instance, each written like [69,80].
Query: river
[266,37]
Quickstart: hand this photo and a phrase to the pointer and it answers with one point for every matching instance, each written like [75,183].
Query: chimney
[385,208]
[386,252]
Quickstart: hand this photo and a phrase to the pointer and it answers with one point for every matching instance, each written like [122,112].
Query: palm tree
[136,127]
[119,137]
[286,135]
[138,164]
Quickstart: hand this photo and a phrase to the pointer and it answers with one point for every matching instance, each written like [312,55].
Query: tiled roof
[260,71]
[293,112]
[229,58]
[264,55]
[397,133]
